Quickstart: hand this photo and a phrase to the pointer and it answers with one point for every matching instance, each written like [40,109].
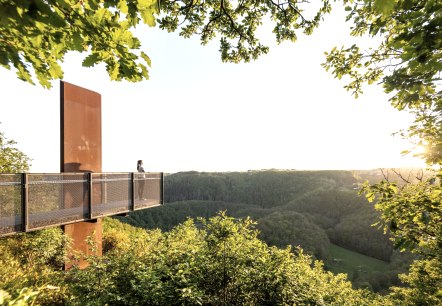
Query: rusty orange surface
[80,129]
[80,142]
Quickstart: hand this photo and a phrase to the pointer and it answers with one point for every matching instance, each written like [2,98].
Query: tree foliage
[31,268]
[309,209]
[326,197]
[12,160]
[407,61]
[412,213]
[218,261]
[237,21]
[36,34]
[424,284]
[347,220]
[284,229]
[267,188]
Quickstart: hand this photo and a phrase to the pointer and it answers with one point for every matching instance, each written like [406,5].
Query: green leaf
[370,196]
[115,71]
[384,7]
[146,58]
[36,40]
[91,60]
[148,17]
[144,71]
[43,79]
[122,6]
[23,73]
[57,21]
[55,71]
[77,42]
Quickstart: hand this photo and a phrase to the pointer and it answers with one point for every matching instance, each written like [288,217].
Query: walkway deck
[30,202]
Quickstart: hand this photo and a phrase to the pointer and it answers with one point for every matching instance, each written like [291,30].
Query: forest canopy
[218,261]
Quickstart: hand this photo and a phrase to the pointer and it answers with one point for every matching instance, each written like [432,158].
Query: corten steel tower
[80,151]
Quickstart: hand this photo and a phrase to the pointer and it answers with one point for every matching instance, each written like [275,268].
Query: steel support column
[80,150]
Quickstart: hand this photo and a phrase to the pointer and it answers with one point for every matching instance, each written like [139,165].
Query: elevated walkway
[31,201]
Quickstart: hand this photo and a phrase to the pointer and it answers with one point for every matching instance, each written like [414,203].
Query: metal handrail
[32,201]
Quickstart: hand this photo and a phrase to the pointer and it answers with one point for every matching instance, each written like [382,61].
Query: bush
[211,262]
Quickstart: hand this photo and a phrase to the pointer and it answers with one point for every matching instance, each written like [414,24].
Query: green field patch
[349,262]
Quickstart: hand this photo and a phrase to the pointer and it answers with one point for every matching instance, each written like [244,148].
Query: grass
[346,261]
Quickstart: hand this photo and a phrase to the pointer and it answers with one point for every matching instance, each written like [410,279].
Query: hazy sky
[195,113]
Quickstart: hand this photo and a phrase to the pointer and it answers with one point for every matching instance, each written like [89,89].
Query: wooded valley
[316,210]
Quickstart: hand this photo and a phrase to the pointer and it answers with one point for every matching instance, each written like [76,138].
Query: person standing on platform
[141,181]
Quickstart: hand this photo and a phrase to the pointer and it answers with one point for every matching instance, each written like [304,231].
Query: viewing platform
[30,201]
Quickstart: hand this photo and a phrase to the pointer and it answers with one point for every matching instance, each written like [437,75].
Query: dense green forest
[310,209]
[223,260]
[216,261]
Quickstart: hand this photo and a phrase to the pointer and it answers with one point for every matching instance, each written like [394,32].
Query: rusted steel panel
[80,142]
[81,234]
[80,129]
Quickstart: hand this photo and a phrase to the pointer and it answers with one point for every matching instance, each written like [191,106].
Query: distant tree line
[266,189]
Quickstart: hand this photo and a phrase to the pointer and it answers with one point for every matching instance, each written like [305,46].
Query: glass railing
[34,201]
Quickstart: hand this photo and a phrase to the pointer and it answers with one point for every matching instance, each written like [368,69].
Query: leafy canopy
[35,35]
[12,160]
[219,261]
[407,61]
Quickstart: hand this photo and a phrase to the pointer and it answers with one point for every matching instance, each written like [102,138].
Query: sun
[419,150]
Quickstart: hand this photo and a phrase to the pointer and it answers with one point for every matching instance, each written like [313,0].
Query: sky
[282,111]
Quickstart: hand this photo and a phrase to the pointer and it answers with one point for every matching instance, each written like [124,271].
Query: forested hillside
[266,189]
[311,209]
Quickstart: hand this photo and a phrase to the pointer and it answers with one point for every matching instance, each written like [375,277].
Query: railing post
[162,188]
[89,195]
[103,188]
[132,188]
[24,201]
